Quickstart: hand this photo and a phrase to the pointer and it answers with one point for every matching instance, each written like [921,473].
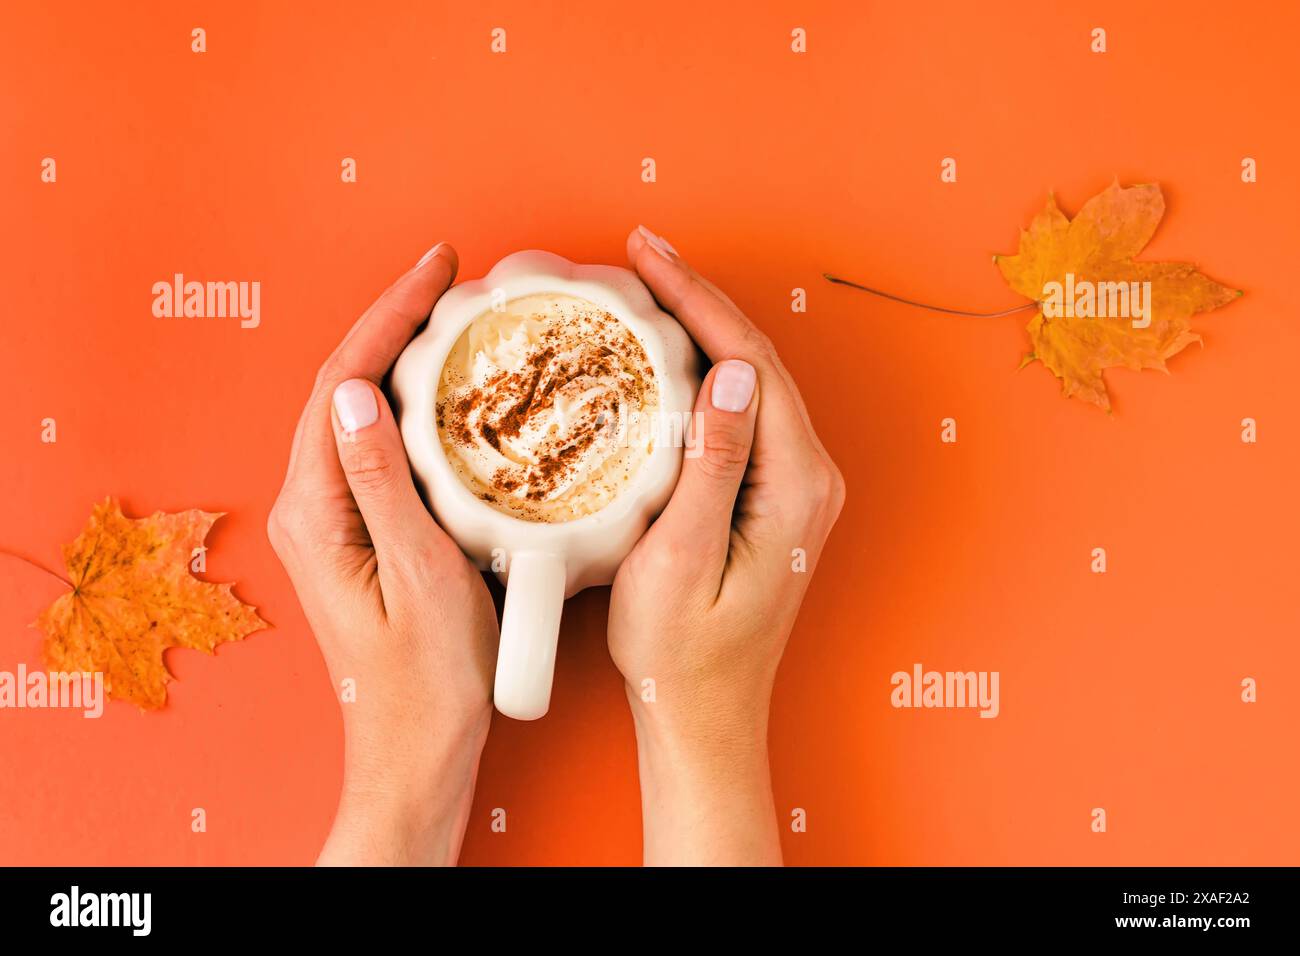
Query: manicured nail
[429,255]
[733,386]
[354,404]
[658,243]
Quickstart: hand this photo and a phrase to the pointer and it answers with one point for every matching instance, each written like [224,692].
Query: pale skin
[702,607]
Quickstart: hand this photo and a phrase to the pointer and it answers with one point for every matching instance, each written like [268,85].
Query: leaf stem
[35,564]
[933,308]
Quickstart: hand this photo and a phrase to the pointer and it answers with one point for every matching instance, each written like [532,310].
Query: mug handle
[530,630]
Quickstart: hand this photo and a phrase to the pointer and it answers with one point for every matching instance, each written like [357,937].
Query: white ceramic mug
[544,562]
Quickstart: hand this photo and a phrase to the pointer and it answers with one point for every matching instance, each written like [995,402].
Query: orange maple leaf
[1094,252]
[133,597]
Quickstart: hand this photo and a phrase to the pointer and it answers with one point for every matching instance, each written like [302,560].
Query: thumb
[698,518]
[374,461]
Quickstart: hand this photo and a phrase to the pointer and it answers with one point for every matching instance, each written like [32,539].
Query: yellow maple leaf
[1093,253]
[133,597]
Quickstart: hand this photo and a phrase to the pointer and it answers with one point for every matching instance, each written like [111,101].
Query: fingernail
[733,386]
[429,255]
[658,243]
[355,405]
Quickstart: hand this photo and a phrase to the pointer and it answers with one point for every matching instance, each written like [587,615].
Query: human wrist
[699,727]
[706,790]
[700,717]
[411,808]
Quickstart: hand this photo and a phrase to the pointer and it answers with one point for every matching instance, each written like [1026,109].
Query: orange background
[1118,690]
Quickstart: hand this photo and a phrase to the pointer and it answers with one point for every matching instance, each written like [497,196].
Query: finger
[715,323]
[711,318]
[698,517]
[373,459]
[378,337]
[368,351]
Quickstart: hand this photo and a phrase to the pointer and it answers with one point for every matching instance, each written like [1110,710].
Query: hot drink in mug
[544,410]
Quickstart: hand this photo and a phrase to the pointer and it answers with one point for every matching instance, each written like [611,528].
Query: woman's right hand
[403,620]
[703,605]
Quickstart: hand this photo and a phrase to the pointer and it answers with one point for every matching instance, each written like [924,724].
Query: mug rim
[535,272]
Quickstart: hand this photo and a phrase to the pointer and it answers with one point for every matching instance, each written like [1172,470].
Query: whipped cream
[534,406]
